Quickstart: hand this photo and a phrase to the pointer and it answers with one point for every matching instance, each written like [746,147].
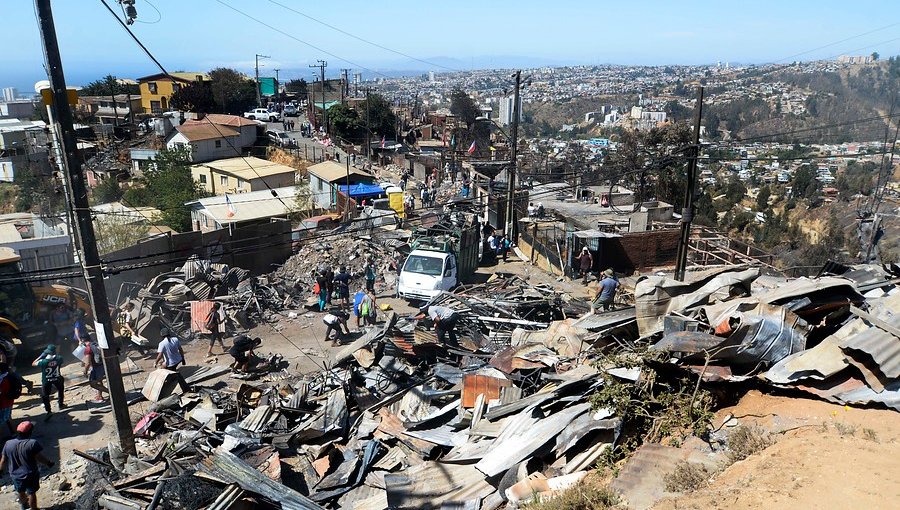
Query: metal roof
[248,168]
[247,206]
[332,171]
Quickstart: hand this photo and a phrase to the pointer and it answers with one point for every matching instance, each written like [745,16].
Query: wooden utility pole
[90,257]
[258,91]
[687,210]
[368,129]
[345,86]
[322,65]
[513,154]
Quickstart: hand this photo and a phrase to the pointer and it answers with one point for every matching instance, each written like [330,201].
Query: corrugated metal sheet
[199,311]
[605,320]
[641,479]
[431,484]
[259,419]
[475,384]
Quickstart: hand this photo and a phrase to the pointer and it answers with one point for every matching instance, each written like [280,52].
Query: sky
[197,35]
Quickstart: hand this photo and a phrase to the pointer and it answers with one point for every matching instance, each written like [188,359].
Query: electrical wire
[837,42]
[290,36]
[350,34]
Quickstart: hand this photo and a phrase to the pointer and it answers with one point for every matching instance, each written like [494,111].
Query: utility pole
[277,85]
[687,210]
[322,65]
[513,154]
[258,91]
[368,129]
[345,85]
[90,258]
[112,93]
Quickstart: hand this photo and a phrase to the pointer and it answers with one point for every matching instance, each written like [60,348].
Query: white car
[263,114]
[426,274]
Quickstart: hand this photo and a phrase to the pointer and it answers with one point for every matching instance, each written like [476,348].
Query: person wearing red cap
[22,455]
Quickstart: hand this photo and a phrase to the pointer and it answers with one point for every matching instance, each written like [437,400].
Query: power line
[838,42]
[350,34]
[301,41]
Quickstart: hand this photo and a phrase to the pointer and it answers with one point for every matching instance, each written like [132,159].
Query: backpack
[15,386]
[212,322]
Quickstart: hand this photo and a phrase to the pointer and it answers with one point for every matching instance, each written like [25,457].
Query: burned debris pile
[507,412]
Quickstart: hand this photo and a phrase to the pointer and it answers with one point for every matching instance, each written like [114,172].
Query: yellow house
[157,89]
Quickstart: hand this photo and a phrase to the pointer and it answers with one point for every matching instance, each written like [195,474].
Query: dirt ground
[825,456]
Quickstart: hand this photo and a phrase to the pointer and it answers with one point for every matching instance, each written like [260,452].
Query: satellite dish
[41,85]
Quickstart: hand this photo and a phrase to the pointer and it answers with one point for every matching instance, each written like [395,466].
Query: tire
[272,119]
[252,117]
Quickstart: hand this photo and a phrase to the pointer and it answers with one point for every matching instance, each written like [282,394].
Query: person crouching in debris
[242,350]
[336,321]
[607,292]
[215,323]
[21,457]
[94,370]
[444,319]
[50,362]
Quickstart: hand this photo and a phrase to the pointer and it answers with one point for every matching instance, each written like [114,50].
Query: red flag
[231,209]
[382,141]
[471,148]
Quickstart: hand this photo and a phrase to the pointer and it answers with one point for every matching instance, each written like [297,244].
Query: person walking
[50,362]
[444,320]
[329,282]
[342,285]
[10,390]
[21,457]
[370,274]
[321,288]
[606,294]
[170,354]
[585,263]
[357,302]
[61,319]
[93,369]
[336,321]
[214,323]
[370,308]
[242,350]
[79,328]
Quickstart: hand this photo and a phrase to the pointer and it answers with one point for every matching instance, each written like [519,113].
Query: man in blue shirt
[21,455]
[607,291]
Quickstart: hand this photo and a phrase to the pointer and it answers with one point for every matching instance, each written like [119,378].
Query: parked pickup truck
[263,114]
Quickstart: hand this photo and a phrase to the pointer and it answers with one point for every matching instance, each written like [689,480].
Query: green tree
[169,186]
[346,124]
[108,85]
[108,190]
[115,232]
[762,198]
[35,190]
[463,106]
[298,87]
[804,184]
[232,92]
[382,120]
[875,56]
[137,196]
[195,97]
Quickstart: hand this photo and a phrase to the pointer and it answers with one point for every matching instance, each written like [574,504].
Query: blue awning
[362,190]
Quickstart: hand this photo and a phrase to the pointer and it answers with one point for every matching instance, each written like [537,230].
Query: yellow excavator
[25,309]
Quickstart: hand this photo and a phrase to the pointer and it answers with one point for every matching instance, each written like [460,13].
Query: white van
[426,274]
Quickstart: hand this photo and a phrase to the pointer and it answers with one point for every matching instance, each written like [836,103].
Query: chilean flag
[231,210]
[382,141]
[471,148]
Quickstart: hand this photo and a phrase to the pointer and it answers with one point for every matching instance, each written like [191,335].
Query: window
[199,77]
[202,178]
[155,107]
[240,184]
[319,182]
[218,144]
[223,180]
[152,87]
[176,87]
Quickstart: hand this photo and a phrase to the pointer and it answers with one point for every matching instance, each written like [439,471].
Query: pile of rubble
[836,336]
[396,419]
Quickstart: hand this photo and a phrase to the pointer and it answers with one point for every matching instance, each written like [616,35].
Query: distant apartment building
[507,107]
[10,94]
[18,109]
[157,89]
[23,143]
[855,59]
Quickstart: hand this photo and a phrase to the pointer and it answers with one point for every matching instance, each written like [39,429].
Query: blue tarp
[362,190]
